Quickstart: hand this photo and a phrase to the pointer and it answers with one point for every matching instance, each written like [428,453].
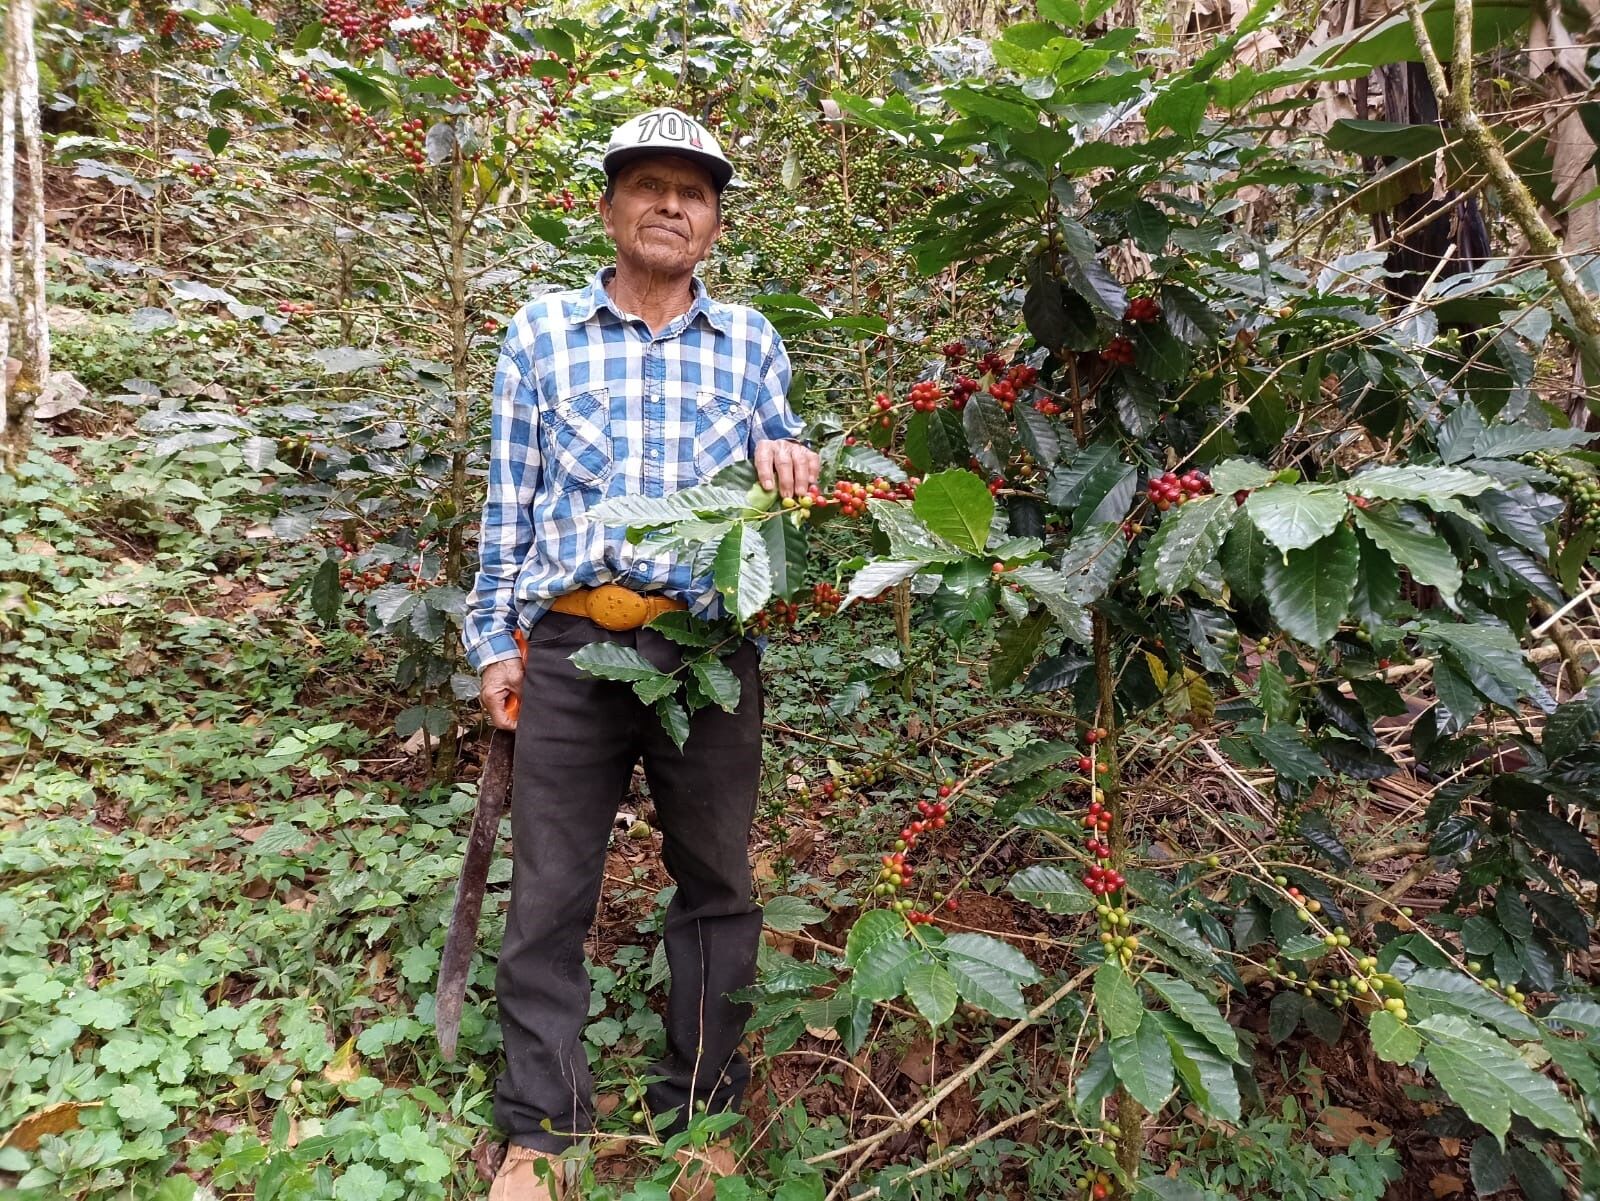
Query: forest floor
[224,881]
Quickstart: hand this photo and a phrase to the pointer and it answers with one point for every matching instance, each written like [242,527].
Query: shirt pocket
[578,439]
[721,433]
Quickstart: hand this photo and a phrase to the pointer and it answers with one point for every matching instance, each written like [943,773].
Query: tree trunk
[22,295]
[1447,235]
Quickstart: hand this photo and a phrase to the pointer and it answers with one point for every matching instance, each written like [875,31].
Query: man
[641,384]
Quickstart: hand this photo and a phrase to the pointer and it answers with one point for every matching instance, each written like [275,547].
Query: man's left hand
[788,466]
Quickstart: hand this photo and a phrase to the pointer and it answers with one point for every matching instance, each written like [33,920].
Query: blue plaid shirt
[589,404]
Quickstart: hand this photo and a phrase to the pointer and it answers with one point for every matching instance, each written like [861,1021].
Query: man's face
[663,215]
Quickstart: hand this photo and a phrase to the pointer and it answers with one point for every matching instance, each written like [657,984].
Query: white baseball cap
[666,131]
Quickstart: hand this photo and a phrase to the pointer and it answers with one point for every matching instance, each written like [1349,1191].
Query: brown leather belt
[613,607]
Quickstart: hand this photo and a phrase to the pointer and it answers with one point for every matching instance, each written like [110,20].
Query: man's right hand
[501,692]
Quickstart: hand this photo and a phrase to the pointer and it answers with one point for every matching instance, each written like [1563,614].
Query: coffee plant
[1120,495]
[1164,540]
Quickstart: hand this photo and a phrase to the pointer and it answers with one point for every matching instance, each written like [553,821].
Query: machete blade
[462,939]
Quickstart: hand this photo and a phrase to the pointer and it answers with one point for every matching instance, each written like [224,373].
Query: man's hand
[788,466]
[501,692]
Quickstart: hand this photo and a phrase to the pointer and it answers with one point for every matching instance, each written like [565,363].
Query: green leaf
[1039,435]
[1283,748]
[872,927]
[1540,1179]
[1180,107]
[1234,475]
[683,628]
[988,104]
[1055,317]
[1165,1188]
[1294,516]
[789,914]
[908,537]
[1082,269]
[1117,1000]
[1052,888]
[865,461]
[1504,441]
[674,719]
[361,1182]
[878,951]
[1274,694]
[341,360]
[1489,655]
[1377,586]
[1017,647]
[655,688]
[1094,1082]
[1092,560]
[1304,947]
[1432,989]
[326,595]
[880,575]
[1207,1077]
[1577,1015]
[1490,1173]
[742,571]
[786,555]
[935,440]
[958,507]
[1143,1063]
[649,511]
[1030,759]
[1309,590]
[1384,139]
[1419,483]
[1283,1016]
[1198,1011]
[1561,838]
[1244,559]
[880,973]
[1490,1081]
[613,661]
[1392,1040]
[932,990]
[1414,545]
[717,681]
[1147,225]
[1177,934]
[988,432]
[1159,354]
[989,973]
[1573,723]
[1186,544]
[1189,317]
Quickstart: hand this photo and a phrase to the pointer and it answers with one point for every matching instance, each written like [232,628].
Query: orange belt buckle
[613,607]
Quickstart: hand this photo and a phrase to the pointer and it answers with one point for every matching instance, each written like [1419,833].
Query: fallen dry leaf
[916,1065]
[345,1066]
[56,1118]
[1339,1127]
[1444,1184]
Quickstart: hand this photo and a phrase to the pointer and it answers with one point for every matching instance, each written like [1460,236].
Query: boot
[520,1177]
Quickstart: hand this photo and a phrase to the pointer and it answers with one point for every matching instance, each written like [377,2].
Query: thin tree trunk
[25,286]
[1455,102]
[8,209]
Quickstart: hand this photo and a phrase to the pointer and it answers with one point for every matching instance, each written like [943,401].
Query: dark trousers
[578,739]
